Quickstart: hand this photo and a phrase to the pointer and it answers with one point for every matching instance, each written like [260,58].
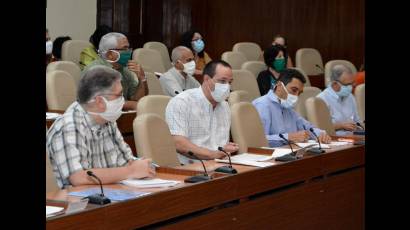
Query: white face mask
[221,92]
[290,101]
[189,68]
[113,109]
[118,57]
[49,47]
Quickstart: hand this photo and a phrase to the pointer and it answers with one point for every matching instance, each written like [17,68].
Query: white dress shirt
[173,80]
[341,109]
[191,115]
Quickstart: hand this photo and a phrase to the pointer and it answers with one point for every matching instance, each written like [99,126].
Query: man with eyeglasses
[340,101]
[86,137]
[179,77]
[276,111]
[200,119]
[115,52]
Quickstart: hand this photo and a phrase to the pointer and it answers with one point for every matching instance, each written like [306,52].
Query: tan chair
[235,59]
[329,66]
[318,114]
[150,60]
[304,74]
[244,80]
[68,66]
[238,96]
[250,50]
[307,93]
[71,50]
[163,50]
[61,90]
[307,59]
[154,140]
[246,127]
[51,182]
[255,67]
[154,86]
[155,104]
[359,93]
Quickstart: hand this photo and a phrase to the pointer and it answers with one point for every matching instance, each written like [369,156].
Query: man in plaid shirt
[86,137]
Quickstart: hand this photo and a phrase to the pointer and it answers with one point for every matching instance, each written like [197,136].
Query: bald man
[179,78]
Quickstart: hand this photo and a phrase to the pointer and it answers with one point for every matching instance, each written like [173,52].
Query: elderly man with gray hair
[340,101]
[115,52]
[86,137]
[179,78]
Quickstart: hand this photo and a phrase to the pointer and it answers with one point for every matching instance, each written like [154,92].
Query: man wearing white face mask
[179,78]
[278,116]
[199,119]
[340,101]
[86,137]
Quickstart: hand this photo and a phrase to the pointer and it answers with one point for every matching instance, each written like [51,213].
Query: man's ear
[178,65]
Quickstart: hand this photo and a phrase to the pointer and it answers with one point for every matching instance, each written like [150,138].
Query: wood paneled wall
[334,27]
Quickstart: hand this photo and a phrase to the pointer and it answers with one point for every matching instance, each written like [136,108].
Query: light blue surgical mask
[198,45]
[345,90]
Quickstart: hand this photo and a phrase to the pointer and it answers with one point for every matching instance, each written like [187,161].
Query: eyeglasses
[344,84]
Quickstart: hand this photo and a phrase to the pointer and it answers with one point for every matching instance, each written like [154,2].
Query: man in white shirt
[199,119]
[179,78]
[340,101]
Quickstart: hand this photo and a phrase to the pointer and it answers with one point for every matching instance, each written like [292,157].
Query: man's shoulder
[189,97]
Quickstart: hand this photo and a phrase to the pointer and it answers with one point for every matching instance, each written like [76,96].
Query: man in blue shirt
[278,116]
[340,101]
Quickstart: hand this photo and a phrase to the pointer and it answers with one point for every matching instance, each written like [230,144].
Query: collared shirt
[277,119]
[173,81]
[191,115]
[129,80]
[341,109]
[76,142]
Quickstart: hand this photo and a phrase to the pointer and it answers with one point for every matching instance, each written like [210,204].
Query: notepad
[247,162]
[53,210]
[312,145]
[112,194]
[150,183]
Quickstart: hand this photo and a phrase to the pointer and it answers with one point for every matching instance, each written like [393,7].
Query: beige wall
[74,18]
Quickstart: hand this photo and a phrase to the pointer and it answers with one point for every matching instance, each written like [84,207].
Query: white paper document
[150,183]
[247,162]
[53,210]
[312,145]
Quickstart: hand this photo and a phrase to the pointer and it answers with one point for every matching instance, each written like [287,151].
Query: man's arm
[184,145]
[142,88]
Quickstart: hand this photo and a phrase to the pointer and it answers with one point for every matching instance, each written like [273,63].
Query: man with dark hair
[278,116]
[86,137]
[199,119]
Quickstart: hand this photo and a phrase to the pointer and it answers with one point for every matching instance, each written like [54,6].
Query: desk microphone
[197,178]
[316,150]
[287,157]
[361,131]
[176,92]
[318,66]
[358,124]
[226,169]
[98,198]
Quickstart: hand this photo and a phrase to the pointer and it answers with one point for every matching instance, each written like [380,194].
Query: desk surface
[250,198]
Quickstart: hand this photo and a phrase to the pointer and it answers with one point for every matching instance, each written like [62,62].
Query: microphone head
[176,92]
[281,136]
[311,130]
[220,149]
[90,173]
[190,153]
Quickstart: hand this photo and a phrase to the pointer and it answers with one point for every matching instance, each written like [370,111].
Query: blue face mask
[345,90]
[198,45]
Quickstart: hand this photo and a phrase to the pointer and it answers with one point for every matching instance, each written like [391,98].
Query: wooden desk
[124,124]
[315,192]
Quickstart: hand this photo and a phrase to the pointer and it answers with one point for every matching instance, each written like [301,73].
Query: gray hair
[177,53]
[338,70]
[96,80]
[108,42]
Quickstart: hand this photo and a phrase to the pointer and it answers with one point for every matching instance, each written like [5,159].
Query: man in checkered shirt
[199,119]
[86,137]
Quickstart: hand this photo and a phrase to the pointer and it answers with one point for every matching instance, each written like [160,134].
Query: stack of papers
[112,194]
[150,183]
[52,116]
[53,210]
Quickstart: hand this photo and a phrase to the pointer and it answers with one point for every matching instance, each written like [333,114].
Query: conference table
[323,191]
[124,124]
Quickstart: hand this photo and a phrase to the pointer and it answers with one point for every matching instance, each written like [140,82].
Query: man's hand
[141,168]
[324,138]
[350,126]
[231,147]
[137,69]
[300,136]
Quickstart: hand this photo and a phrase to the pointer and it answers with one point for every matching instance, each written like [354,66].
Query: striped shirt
[76,142]
[191,115]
